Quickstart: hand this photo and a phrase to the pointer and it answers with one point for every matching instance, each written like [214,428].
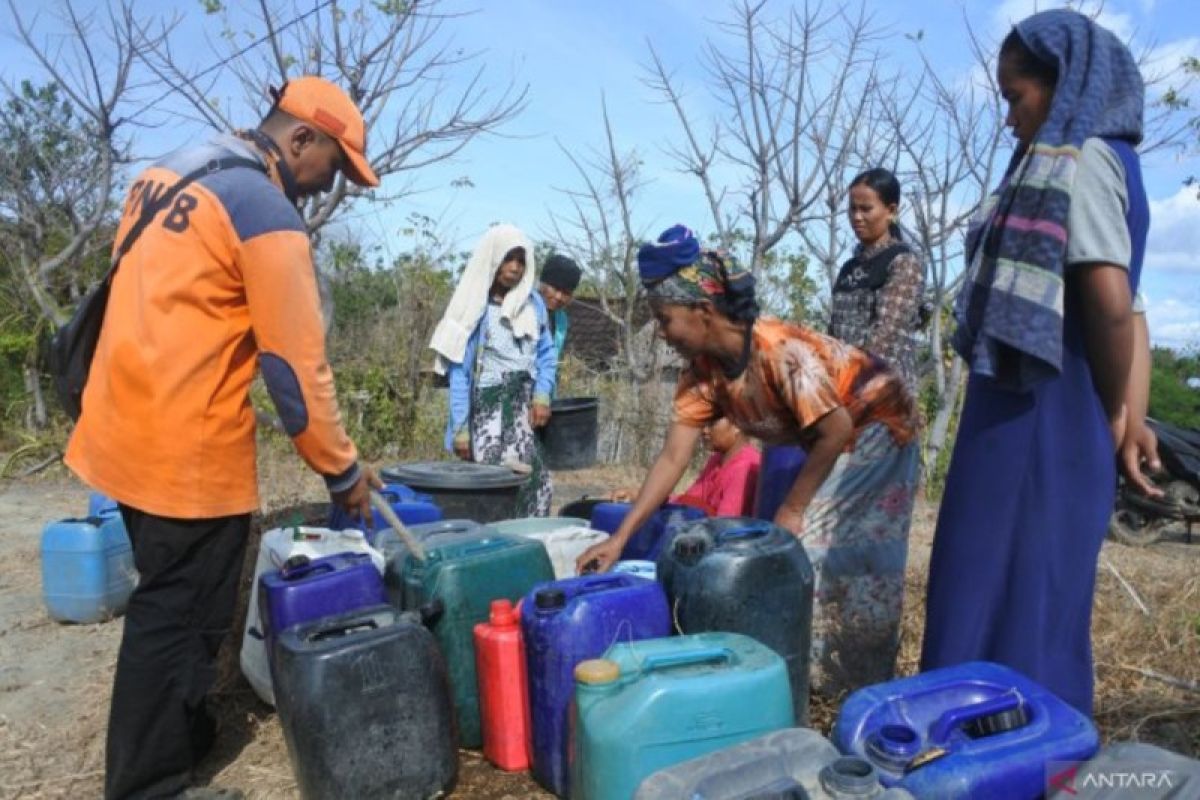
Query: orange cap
[324,105]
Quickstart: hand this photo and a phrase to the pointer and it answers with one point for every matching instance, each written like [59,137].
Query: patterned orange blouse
[794,377]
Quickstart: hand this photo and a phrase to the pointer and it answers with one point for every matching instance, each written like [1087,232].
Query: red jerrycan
[503,689]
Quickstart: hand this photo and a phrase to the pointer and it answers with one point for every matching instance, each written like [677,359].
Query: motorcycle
[1140,520]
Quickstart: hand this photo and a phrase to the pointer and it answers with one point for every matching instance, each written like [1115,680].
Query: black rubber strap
[151,210]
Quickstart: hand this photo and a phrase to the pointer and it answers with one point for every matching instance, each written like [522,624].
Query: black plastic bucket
[581,508]
[462,489]
[569,439]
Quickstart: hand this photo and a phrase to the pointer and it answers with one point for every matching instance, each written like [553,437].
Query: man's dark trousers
[181,610]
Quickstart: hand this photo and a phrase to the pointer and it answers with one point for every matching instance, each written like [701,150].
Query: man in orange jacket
[220,283]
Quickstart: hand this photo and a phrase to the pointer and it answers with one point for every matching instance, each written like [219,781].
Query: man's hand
[539,415]
[1139,447]
[462,449]
[356,500]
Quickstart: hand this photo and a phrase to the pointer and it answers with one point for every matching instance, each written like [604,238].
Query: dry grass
[57,753]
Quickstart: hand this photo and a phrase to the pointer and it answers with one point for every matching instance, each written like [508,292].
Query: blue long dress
[1028,496]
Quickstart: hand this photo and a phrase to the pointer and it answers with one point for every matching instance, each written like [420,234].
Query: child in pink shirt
[725,487]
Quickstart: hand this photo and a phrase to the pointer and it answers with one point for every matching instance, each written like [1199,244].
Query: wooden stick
[41,465]
[385,511]
[1179,683]
[1125,584]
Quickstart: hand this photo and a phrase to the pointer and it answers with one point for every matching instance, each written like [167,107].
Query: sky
[573,53]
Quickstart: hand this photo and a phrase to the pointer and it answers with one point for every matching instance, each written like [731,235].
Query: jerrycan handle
[742,532]
[706,655]
[337,630]
[955,718]
[483,546]
[300,567]
[604,582]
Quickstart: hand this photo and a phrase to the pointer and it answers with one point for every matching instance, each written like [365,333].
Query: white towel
[470,297]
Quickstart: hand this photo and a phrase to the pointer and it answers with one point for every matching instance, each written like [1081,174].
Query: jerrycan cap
[549,599]
[597,671]
[502,613]
[849,776]
[690,548]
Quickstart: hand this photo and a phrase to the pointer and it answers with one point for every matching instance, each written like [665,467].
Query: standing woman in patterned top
[1059,363]
[877,295]
[851,504]
[494,345]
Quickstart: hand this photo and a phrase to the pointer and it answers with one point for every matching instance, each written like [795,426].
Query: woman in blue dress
[1059,363]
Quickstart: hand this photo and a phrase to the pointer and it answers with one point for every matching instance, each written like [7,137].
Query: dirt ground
[55,679]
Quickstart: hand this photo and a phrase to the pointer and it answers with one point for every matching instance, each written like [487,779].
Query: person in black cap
[560,278]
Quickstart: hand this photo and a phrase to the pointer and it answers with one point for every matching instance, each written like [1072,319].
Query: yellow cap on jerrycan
[597,671]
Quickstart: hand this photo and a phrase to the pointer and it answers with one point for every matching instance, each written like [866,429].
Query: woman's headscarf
[1010,309]
[470,297]
[675,270]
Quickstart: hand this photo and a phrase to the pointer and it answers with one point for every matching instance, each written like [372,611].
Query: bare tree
[794,95]
[394,58]
[69,140]
[599,232]
[65,141]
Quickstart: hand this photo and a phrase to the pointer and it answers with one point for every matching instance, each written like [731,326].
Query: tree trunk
[935,345]
[37,419]
[949,404]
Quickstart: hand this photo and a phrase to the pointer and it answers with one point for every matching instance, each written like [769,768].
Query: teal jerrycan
[401,589]
[454,588]
[650,704]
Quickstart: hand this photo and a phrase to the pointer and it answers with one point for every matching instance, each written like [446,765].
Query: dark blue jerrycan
[747,576]
[568,621]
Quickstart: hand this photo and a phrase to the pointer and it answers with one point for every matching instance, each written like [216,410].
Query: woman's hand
[539,415]
[462,449]
[599,557]
[1139,447]
[790,519]
[622,495]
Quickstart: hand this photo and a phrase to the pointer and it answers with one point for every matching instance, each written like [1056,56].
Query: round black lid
[1000,722]
[452,475]
[550,598]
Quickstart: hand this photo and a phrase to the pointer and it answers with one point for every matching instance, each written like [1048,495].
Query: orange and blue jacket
[217,285]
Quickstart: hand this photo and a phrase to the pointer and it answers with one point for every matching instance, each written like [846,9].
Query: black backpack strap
[151,210]
[877,268]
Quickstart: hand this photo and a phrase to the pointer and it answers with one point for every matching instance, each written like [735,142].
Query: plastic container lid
[597,671]
[848,777]
[452,475]
[502,613]
[549,598]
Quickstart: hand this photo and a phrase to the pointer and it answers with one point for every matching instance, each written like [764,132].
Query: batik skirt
[856,536]
[502,433]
